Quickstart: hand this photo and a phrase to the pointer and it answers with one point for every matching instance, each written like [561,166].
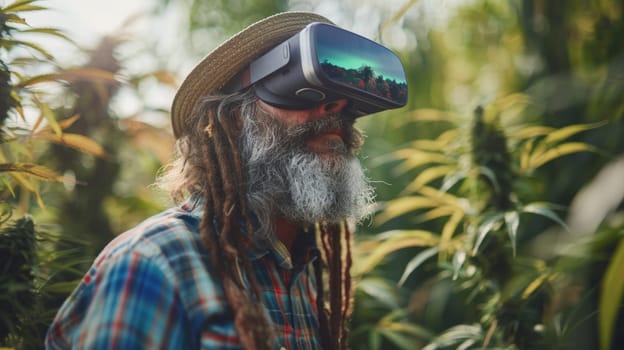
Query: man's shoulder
[169,233]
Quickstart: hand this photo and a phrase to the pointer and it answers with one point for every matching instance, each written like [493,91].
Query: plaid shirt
[151,288]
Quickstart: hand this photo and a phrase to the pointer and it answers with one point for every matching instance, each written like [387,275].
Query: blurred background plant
[500,190]
[59,161]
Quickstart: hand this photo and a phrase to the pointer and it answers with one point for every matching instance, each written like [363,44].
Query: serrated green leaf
[512,222]
[611,297]
[416,261]
[459,258]
[487,172]
[452,180]
[455,335]
[543,209]
[382,291]
[488,224]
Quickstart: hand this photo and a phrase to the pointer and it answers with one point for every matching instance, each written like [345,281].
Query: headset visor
[348,59]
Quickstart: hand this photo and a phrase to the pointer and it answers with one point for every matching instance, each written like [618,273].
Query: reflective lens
[362,64]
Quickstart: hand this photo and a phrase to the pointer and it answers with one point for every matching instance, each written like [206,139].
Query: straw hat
[220,65]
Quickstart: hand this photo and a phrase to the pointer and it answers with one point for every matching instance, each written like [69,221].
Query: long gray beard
[286,178]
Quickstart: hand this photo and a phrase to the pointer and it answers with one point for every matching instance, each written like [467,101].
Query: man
[258,173]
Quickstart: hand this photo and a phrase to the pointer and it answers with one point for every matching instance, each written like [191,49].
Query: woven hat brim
[221,64]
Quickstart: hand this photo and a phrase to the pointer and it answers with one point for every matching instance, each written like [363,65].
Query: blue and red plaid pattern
[151,287]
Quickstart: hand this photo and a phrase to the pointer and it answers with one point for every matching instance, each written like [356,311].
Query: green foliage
[479,232]
[31,258]
[18,91]
[611,296]
[469,228]
[17,256]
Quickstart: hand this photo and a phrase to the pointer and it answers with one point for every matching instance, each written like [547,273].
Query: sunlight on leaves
[76,141]
[395,240]
[38,171]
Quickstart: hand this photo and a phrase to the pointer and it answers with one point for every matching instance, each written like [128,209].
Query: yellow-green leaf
[415,262]
[15,19]
[510,100]
[611,296]
[568,131]
[436,213]
[63,124]
[525,155]
[33,46]
[49,31]
[16,5]
[71,75]
[534,285]
[559,151]
[399,239]
[25,8]
[419,158]
[428,175]
[49,115]
[23,182]
[79,142]
[449,229]
[531,132]
[36,170]
[403,205]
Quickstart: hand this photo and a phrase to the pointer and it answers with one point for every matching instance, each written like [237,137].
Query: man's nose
[330,107]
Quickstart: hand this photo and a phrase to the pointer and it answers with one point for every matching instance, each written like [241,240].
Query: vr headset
[324,63]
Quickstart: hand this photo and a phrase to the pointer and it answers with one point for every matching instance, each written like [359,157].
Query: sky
[86,20]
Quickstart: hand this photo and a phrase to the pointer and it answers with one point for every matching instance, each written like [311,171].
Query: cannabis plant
[468,201]
[27,256]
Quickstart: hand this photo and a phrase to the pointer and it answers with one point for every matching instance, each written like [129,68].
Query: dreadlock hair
[208,164]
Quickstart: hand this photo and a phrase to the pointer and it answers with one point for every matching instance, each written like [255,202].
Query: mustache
[352,137]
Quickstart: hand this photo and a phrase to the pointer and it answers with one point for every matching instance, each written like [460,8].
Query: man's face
[304,164]
[325,142]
